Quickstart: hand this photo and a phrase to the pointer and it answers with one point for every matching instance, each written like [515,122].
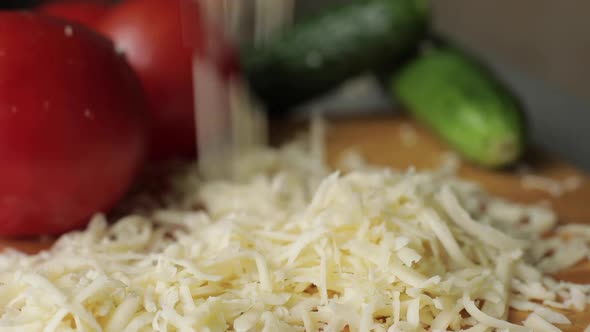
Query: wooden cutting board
[399,142]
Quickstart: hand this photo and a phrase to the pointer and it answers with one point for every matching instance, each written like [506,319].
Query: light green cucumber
[465,104]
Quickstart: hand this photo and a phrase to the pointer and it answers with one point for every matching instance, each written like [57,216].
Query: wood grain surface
[381,140]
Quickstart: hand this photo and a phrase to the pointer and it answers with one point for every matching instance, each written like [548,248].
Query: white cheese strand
[483,318]
[484,233]
[538,324]
[446,239]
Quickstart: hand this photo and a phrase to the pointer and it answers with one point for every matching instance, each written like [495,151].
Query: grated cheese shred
[289,246]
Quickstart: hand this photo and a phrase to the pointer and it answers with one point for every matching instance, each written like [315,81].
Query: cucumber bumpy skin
[316,55]
[464,104]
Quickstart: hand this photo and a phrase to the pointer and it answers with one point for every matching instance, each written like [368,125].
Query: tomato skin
[149,32]
[72,124]
[88,13]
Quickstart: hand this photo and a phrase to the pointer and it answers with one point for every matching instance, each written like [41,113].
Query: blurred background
[540,47]
[545,39]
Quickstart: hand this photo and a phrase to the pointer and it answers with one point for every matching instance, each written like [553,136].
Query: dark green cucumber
[465,104]
[318,54]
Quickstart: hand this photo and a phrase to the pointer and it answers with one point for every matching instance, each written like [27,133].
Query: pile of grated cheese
[288,246]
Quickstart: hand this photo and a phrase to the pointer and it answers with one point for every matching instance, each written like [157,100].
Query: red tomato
[72,124]
[150,32]
[88,13]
